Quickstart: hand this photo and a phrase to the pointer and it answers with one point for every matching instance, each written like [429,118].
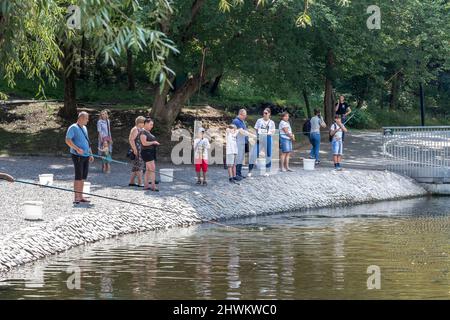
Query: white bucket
[33,210]
[166,175]
[87,187]
[308,164]
[46,179]
[261,164]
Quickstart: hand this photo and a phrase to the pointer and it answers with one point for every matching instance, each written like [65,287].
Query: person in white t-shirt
[201,147]
[314,135]
[265,129]
[337,130]
[286,140]
[232,150]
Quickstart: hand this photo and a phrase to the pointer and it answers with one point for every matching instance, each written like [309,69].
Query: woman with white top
[314,135]
[286,139]
[265,129]
[104,131]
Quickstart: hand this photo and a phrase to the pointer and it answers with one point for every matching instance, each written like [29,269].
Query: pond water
[321,254]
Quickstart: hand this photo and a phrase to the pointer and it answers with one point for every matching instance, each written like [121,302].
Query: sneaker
[266,174]
[317,162]
[290,170]
[231,180]
[240,176]
[237,178]
[249,174]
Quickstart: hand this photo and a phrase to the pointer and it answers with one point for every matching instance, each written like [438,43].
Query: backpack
[307,127]
[330,136]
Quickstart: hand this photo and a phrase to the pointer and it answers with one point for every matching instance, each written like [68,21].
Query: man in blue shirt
[77,139]
[241,141]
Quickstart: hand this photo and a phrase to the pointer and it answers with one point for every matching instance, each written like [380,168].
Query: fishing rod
[9,178]
[344,123]
[126,163]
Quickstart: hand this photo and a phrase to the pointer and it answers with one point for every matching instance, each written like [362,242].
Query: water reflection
[315,254]
[339,255]
[234,282]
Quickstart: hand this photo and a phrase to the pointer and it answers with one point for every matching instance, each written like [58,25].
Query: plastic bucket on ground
[32,210]
[46,179]
[166,175]
[87,187]
[261,164]
[308,164]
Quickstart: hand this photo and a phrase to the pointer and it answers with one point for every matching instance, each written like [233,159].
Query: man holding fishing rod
[77,139]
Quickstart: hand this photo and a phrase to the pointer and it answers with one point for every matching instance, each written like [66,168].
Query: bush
[362,119]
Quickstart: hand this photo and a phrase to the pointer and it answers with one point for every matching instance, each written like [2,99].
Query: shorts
[81,165]
[148,155]
[106,159]
[201,165]
[338,147]
[231,159]
[285,145]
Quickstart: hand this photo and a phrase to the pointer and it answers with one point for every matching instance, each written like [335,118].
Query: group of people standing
[143,145]
[237,142]
[143,151]
[143,154]
[336,133]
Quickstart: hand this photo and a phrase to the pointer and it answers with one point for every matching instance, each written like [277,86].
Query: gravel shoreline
[180,204]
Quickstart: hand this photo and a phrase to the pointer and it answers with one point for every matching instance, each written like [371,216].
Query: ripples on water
[314,254]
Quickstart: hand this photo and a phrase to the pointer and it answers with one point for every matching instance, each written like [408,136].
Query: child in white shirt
[232,150]
[201,147]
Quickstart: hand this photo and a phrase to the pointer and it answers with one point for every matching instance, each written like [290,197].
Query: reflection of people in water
[234,282]
[203,271]
[7,177]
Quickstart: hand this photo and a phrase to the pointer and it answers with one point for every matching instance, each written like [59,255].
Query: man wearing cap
[77,139]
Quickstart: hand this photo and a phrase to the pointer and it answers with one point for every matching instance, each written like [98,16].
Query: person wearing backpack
[316,123]
[337,130]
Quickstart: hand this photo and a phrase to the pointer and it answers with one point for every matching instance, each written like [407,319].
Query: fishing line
[118,200]
[126,163]
[171,176]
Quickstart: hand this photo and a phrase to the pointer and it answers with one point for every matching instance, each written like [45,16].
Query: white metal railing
[422,153]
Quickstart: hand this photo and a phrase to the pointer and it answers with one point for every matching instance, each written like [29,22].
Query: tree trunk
[130,71]
[69,110]
[2,22]
[382,98]
[308,107]
[362,97]
[165,112]
[329,101]
[215,84]
[395,92]
[83,50]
